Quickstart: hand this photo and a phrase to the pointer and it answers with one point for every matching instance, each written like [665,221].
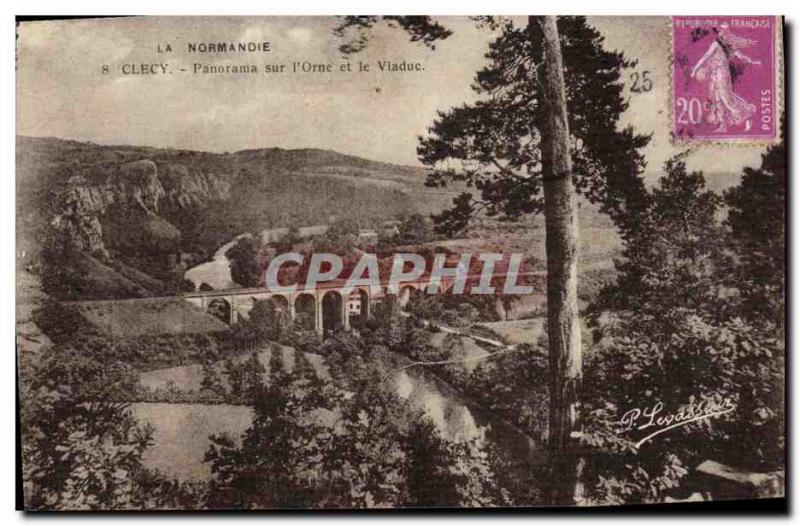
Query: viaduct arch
[325,308]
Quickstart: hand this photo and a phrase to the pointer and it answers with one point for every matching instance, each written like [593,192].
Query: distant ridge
[318,155]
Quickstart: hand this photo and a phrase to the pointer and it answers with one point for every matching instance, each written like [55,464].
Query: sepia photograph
[400,262]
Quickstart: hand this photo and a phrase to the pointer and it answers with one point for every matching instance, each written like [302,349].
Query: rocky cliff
[81,206]
[149,208]
[99,196]
[109,204]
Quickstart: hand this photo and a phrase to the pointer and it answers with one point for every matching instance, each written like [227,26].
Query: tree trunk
[563,327]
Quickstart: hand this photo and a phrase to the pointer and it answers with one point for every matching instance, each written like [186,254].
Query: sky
[62,91]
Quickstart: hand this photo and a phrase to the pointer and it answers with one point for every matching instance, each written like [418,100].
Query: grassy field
[518,331]
[147,316]
[181,431]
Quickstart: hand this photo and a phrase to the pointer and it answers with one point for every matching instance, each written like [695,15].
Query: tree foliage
[415,229]
[494,145]
[268,320]
[60,273]
[679,329]
[243,257]
[419,28]
[340,238]
[757,219]
[284,434]
[364,449]
[81,445]
[677,243]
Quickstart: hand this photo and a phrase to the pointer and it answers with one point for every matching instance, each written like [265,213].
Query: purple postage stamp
[724,78]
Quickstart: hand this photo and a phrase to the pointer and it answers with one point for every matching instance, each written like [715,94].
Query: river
[217,272]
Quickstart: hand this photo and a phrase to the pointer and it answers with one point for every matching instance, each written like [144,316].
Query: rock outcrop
[195,189]
[131,189]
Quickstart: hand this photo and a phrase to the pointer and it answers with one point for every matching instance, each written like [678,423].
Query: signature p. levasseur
[655,419]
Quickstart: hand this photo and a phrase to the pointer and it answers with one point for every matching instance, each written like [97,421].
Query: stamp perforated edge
[733,141]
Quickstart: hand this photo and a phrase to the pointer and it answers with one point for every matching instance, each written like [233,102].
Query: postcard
[371,262]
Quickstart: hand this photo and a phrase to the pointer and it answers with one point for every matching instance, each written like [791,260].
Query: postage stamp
[724,78]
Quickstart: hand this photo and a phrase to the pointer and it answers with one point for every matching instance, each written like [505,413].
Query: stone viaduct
[326,307]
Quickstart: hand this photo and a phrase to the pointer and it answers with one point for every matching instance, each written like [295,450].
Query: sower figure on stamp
[714,69]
